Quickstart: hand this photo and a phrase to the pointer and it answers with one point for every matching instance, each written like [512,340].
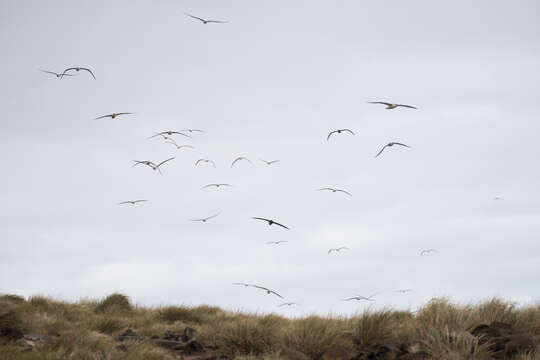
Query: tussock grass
[87,330]
[114,303]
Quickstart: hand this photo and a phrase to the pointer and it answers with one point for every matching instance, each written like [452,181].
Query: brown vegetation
[113,328]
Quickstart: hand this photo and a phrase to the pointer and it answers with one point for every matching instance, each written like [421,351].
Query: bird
[113,115]
[204,21]
[144,162]
[335,190]
[427,251]
[277,242]
[205,161]
[339,131]
[338,249]
[360,297]
[390,144]
[132,202]
[240,158]
[268,291]
[78,68]
[269,162]
[179,147]
[156,167]
[271,222]
[287,304]
[169,132]
[216,185]
[207,218]
[391,106]
[497,198]
[403,291]
[56,74]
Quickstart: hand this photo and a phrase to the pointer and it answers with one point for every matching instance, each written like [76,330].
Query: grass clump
[12,298]
[114,303]
[375,327]
[313,336]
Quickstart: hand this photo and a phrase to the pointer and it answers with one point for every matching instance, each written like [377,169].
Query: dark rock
[194,347]
[128,332]
[503,340]
[169,335]
[170,344]
[11,333]
[189,334]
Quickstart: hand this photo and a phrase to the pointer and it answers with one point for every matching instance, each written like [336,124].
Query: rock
[504,341]
[170,344]
[194,347]
[189,334]
[169,335]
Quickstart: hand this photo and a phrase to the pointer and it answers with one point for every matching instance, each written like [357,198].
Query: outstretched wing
[407,106]
[259,218]
[283,226]
[196,17]
[216,21]
[102,117]
[348,130]
[345,192]
[330,134]
[379,153]
[396,143]
[164,161]
[90,71]
[379,102]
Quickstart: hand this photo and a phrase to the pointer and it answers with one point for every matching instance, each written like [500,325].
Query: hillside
[113,328]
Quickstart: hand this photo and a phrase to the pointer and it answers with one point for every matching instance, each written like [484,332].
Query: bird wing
[207,186]
[164,161]
[195,17]
[137,201]
[407,106]
[49,72]
[156,134]
[244,284]
[198,161]
[213,216]
[379,102]
[216,21]
[90,71]
[330,134]
[275,293]
[123,113]
[65,71]
[259,218]
[396,143]
[348,130]
[379,153]
[102,117]
[283,226]
[343,191]
[351,298]
[124,202]
[325,189]
[180,133]
[330,250]
[235,160]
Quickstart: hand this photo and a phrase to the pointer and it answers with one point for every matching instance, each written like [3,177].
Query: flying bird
[151,164]
[205,161]
[271,222]
[215,185]
[169,132]
[204,21]
[207,218]
[277,242]
[240,158]
[77,68]
[113,115]
[56,74]
[335,190]
[269,162]
[268,291]
[390,144]
[287,304]
[338,249]
[391,106]
[179,147]
[403,291]
[132,202]
[360,297]
[427,251]
[192,130]
[339,131]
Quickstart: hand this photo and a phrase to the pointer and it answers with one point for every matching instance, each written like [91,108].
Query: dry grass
[87,330]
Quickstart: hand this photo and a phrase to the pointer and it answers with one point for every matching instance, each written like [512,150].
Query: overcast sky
[270,85]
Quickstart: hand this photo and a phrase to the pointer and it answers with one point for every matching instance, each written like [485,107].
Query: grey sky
[271,84]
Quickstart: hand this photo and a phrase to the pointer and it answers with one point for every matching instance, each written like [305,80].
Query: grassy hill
[112,328]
